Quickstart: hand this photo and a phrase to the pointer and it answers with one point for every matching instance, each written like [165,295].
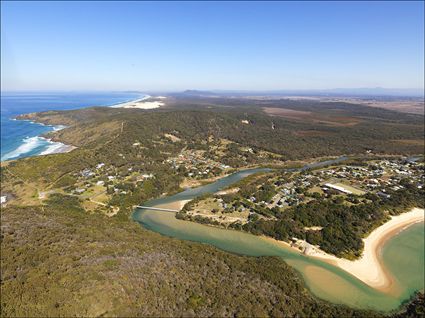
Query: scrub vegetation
[68,250]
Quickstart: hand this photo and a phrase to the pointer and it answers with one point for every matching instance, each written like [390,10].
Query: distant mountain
[193,92]
[347,92]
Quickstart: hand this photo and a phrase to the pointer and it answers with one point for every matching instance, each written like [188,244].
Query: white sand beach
[57,147]
[369,268]
[147,102]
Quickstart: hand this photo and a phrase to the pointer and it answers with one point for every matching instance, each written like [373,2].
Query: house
[384,195]
[3,199]
[87,173]
[338,188]
[100,165]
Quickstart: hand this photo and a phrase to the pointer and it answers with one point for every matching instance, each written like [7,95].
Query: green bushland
[59,260]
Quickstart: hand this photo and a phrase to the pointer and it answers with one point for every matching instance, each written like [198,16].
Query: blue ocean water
[21,139]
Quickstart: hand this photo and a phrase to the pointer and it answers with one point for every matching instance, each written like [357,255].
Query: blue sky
[211,45]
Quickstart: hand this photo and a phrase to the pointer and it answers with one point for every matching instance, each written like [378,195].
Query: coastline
[36,144]
[146,102]
[29,144]
[369,268]
[56,147]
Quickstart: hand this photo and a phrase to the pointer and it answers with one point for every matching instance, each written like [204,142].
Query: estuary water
[20,139]
[403,255]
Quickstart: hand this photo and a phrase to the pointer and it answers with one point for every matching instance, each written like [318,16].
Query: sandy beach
[60,148]
[177,205]
[369,268]
[147,102]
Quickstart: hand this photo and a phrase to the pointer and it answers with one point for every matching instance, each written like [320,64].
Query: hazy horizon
[354,91]
[242,46]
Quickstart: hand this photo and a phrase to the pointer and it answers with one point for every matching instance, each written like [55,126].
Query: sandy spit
[370,268]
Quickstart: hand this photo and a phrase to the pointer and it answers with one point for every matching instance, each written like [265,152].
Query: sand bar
[370,268]
[176,205]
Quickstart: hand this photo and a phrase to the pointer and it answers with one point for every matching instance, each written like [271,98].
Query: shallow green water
[403,254]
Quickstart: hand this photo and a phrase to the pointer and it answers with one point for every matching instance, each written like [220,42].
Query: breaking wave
[54,147]
[28,145]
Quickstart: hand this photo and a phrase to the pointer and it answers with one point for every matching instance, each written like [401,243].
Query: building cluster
[376,177]
[195,165]
[107,177]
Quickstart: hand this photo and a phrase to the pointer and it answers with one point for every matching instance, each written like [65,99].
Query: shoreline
[28,144]
[142,103]
[369,268]
[56,147]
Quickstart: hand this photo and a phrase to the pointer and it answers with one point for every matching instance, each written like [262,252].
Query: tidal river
[403,255]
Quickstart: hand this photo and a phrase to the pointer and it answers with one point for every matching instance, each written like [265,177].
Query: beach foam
[58,127]
[54,147]
[28,145]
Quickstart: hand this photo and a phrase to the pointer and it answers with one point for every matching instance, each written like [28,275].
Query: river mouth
[322,279]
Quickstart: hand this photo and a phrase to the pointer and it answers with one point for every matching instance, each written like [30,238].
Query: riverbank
[326,280]
[369,268]
[176,205]
[147,102]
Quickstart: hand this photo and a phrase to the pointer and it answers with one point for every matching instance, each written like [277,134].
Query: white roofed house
[338,188]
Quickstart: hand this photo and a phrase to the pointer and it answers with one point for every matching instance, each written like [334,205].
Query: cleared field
[412,107]
[205,208]
[316,189]
[311,133]
[307,116]
[415,142]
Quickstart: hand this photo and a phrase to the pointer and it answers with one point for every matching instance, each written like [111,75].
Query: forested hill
[312,131]
[61,257]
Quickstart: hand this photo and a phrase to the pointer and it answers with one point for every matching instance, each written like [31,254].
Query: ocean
[20,139]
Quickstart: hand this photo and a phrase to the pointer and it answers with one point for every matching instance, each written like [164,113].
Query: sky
[170,46]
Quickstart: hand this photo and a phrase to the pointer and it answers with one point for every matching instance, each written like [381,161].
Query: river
[403,255]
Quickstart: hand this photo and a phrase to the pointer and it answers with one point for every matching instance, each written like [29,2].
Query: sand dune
[147,102]
[369,268]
